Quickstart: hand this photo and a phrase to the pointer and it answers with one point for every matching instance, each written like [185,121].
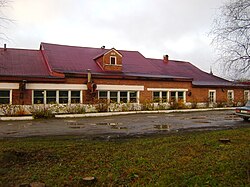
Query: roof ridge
[62,45]
[20,49]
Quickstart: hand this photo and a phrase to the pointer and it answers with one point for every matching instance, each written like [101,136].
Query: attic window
[113,60]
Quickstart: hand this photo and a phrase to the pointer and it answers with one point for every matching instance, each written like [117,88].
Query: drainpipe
[89,75]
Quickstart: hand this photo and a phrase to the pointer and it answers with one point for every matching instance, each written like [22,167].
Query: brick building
[68,74]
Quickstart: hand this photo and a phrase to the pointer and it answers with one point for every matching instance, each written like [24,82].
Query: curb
[104,114]
[16,118]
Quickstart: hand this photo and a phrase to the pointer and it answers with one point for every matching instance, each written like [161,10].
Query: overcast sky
[178,28]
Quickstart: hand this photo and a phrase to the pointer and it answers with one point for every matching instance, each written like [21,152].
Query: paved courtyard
[124,125]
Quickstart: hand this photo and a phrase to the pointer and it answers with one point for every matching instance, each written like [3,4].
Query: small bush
[102,105]
[147,106]
[42,112]
[21,111]
[75,109]
[176,105]
[8,110]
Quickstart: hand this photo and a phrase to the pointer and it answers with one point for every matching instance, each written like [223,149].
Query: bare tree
[4,21]
[231,37]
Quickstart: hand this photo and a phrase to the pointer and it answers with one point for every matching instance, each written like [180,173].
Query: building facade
[68,74]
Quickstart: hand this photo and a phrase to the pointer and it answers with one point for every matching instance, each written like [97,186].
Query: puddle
[162,127]
[199,117]
[112,125]
[108,124]
[11,132]
[232,117]
[202,121]
[73,122]
[75,127]
[152,116]
[118,127]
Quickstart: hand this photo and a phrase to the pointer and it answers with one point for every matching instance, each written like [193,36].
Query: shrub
[75,109]
[21,111]
[102,105]
[146,105]
[176,105]
[42,112]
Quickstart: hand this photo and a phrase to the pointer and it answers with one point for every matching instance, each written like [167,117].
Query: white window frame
[57,96]
[70,98]
[118,95]
[214,96]
[111,58]
[160,95]
[246,92]
[10,87]
[232,92]
[10,95]
[168,90]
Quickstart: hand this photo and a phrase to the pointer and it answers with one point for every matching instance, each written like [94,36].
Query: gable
[110,61]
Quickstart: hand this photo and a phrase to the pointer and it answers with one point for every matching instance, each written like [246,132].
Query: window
[156,97]
[133,96]
[63,97]
[113,60]
[4,96]
[56,96]
[164,97]
[124,97]
[230,96]
[75,96]
[172,96]
[38,97]
[119,96]
[161,96]
[103,95]
[180,96]
[51,97]
[212,96]
[246,95]
[113,97]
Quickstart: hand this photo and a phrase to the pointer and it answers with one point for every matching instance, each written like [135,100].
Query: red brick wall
[197,94]
[19,98]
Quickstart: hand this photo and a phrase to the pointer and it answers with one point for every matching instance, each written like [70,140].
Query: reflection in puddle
[162,127]
[202,121]
[232,117]
[113,125]
[199,117]
[11,132]
[152,116]
[108,124]
[118,127]
[75,127]
[74,124]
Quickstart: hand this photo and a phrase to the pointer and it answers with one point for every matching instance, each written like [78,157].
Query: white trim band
[168,89]
[105,87]
[13,86]
[34,86]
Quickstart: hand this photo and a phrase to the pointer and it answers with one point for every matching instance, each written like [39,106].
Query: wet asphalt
[123,126]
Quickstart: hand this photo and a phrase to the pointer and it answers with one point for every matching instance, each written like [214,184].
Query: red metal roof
[71,59]
[53,58]
[186,69]
[20,62]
